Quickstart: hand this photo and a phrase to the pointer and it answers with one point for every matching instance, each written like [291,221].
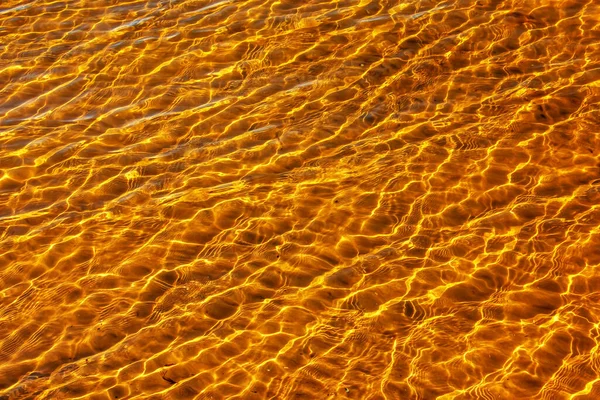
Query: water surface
[260,199]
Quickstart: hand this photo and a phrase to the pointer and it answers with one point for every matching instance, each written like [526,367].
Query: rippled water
[243,199]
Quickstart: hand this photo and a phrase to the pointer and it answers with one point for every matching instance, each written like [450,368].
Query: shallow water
[260,199]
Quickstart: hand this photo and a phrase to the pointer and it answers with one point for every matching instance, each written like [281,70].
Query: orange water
[261,199]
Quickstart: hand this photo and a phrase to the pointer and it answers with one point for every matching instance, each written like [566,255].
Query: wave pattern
[274,199]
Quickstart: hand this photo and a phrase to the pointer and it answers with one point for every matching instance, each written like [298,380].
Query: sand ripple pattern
[281,199]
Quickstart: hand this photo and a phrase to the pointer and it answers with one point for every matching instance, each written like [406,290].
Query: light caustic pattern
[323,199]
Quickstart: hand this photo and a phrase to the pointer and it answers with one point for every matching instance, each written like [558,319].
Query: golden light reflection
[275,199]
